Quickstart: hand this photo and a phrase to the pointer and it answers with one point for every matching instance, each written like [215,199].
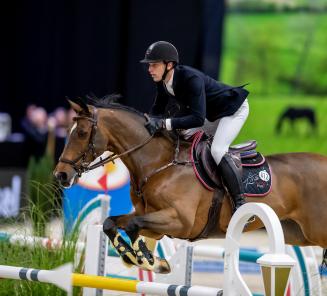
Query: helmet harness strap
[166,70]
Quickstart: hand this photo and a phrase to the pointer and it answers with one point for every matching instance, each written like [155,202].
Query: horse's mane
[110,102]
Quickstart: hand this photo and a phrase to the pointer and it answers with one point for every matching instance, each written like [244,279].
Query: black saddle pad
[256,178]
[256,175]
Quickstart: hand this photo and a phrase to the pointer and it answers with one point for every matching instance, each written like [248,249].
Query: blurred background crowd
[65,48]
[36,128]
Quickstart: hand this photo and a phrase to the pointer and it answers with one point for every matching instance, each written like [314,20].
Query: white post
[233,281]
[95,252]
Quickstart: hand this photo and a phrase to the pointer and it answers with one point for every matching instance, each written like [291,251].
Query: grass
[273,51]
[260,125]
[40,209]
[283,56]
[37,257]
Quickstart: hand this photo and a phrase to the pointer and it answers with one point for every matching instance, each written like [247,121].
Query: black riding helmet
[161,51]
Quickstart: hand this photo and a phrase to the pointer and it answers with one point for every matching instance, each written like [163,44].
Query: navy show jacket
[200,96]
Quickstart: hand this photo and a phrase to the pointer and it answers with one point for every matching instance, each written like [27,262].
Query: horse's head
[84,143]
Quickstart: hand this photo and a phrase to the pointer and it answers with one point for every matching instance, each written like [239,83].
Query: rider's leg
[227,130]
[232,178]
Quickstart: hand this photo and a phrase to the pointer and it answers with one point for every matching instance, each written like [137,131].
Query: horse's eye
[81,134]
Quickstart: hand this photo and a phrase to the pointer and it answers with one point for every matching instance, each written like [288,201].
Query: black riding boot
[232,178]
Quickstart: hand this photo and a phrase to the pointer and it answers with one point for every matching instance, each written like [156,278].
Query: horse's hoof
[127,262]
[162,266]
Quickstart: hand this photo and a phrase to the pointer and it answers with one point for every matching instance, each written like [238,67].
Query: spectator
[35,129]
[59,122]
[60,117]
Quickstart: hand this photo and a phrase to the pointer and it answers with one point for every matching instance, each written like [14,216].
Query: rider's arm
[196,104]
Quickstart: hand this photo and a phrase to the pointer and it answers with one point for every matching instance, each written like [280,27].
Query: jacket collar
[176,77]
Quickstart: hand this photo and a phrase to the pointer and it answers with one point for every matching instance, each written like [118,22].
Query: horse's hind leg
[293,233]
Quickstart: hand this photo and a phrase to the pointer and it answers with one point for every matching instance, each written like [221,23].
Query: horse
[295,113]
[168,199]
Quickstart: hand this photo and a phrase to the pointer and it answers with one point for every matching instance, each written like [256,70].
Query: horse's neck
[126,131]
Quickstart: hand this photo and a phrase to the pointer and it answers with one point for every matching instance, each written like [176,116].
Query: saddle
[256,174]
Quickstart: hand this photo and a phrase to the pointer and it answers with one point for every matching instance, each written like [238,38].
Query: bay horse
[167,197]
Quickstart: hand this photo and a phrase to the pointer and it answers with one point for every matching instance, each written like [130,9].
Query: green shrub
[43,193]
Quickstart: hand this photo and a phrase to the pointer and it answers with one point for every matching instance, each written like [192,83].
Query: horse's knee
[109,227]
[134,224]
[132,228]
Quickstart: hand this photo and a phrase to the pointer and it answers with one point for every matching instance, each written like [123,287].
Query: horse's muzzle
[64,180]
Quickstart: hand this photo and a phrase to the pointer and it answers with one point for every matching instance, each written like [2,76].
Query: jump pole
[59,276]
[135,286]
[65,279]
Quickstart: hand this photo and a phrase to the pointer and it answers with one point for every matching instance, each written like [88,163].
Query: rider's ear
[171,65]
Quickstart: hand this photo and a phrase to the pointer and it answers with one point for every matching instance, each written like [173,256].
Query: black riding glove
[154,125]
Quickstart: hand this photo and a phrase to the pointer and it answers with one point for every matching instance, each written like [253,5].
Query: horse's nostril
[61,176]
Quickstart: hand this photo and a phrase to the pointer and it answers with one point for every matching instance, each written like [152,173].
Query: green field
[276,52]
[284,58]
[263,117]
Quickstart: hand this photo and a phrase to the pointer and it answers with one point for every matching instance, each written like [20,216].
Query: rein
[112,157]
[175,161]
[85,167]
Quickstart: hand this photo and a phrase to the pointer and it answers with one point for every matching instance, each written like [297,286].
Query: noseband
[83,166]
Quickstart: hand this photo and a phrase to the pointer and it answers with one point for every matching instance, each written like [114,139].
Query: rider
[199,97]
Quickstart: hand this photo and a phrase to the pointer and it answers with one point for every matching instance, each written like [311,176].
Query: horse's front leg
[140,254]
[110,228]
[154,224]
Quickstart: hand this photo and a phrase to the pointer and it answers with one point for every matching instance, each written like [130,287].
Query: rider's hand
[154,125]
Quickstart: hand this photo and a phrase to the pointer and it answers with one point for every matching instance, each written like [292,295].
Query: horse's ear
[78,106]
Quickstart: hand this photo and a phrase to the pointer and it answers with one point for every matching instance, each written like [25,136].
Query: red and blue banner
[110,179]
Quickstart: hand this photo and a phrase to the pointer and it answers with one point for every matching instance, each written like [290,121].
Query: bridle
[79,164]
[85,167]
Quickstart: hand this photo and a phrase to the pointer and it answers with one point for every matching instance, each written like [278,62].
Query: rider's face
[156,70]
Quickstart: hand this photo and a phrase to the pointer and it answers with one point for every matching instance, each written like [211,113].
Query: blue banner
[110,180]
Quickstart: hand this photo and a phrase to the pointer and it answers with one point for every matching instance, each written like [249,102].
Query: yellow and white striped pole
[65,279]
[135,286]
[102,282]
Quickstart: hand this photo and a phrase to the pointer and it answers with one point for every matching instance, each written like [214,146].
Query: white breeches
[227,130]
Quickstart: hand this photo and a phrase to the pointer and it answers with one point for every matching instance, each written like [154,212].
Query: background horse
[293,114]
[167,197]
